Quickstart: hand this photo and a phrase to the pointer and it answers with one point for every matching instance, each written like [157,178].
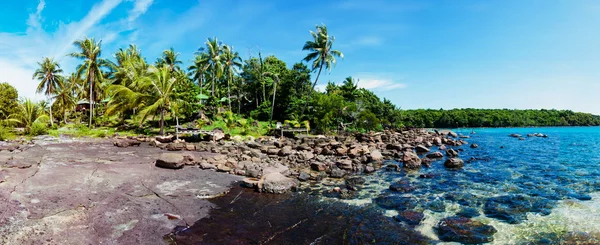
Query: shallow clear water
[532,191]
[556,176]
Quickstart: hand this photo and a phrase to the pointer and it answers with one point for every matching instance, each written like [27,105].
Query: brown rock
[170,160]
[410,160]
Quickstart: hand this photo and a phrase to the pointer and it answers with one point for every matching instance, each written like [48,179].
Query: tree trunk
[274,95]
[51,119]
[91,98]
[229,90]
[311,91]
[239,90]
[201,78]
[177,127]
[162,122]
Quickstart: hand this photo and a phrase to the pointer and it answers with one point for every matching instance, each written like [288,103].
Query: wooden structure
[283,130]
[193,131]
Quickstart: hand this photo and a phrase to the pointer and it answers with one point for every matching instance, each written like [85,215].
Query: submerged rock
[395,202]
[250,218]
[355,183]
[412,218]
[402,186]
[513,209]
[468,212]
[464,230]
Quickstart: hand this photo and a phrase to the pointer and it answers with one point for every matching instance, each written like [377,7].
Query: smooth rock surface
[91,192]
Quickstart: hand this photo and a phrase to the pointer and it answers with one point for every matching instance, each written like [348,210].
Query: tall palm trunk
[229,90]
[311,91]
[273,105]
[162,122]
[51,119]
[201,78]
[239,97]
[91,98]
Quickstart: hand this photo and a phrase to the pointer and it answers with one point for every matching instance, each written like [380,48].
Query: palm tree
[161,94]
[65,96]
[169,57]
[214,50]
[89,52]
[276,81]
[28,114]
[320,53]
[127,91]
[50,79]
[198,68]
[231,62]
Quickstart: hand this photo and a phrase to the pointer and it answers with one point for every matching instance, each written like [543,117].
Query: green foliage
[38,128]
[368,120]
[8,100]
[5,133]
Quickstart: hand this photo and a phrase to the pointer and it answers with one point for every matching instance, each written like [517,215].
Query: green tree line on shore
[218,88]
[458,118]
[128,91]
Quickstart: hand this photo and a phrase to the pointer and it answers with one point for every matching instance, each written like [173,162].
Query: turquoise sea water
[532,191]
[537,190]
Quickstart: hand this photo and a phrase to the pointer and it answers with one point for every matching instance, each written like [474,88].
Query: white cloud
[80,29]
[379,84]
[378,81]
[140,7]
[35,18]
[369,41]
[20,51]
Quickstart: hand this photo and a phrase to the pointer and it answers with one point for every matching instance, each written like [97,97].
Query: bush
[5,133]
[38,129]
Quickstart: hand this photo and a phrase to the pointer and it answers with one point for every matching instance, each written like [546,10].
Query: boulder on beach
[421,149]
[126,143]
[275,183]
[376,156]
[451,153]
[474,145]
[170,160]
[410,160]
[435,155]
[454,163]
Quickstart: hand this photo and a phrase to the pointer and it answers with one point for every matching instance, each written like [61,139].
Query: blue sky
[419,54]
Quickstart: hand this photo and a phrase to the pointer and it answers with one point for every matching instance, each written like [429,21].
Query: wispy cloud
[383,82]
[80,29]
[368,41]
[140,7]
[20,51]
[35,18]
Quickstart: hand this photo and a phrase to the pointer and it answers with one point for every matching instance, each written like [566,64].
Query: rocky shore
[275,165]
[124,190]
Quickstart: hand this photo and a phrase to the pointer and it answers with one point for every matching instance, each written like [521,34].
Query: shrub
[5,133]
[38,128]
